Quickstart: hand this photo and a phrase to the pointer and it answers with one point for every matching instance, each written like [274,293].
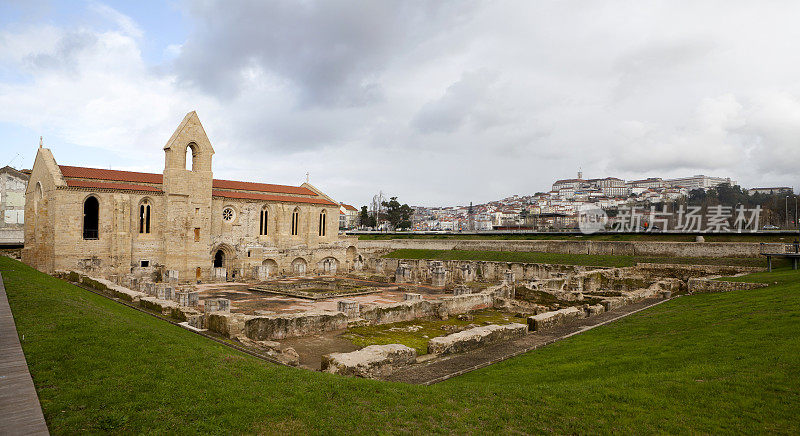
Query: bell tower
[187,199]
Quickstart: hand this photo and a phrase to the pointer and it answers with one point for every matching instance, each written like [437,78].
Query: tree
[398,215]
[365,218]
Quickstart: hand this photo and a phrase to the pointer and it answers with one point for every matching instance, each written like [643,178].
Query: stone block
[290,325]
[349,307]
[217,305]
[373,361]
[462,290]
[596,309]
[261,272]
[187,298]
[219,274]
[475,338]
[411,296]
[548,320]
[403,274]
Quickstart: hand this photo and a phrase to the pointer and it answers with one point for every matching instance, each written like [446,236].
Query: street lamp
[787,212]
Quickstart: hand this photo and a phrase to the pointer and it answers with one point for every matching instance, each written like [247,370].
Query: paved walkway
[440,369]
[20,412]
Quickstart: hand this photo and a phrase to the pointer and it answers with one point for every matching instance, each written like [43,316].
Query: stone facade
[183,220]
[13,184]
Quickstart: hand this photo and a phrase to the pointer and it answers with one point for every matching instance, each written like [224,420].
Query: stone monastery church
[117,222]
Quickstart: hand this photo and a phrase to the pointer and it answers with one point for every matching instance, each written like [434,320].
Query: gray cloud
[331,52]
[438,103]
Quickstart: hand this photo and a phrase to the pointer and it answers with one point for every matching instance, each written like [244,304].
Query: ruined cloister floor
[249,301]
[706,363]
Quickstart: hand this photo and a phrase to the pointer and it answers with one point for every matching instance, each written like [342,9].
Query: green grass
[739,237]
[711,363]
[405,333]
[570,259]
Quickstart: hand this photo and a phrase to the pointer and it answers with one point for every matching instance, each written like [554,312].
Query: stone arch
[145,214]
[263,221]
[91,217]
[38,196]
[328,265]
[224,253]
[295,221]
[272,266]
[322,222]
[351,253]
[299,266]
[191,149]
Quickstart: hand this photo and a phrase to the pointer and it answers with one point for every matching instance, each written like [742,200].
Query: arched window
[263,223]
[144,217]
[91,218]
[322,223]
[191,154]
[295,222]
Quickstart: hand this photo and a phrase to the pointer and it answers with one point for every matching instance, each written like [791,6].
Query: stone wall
[702,285]
[475,338]
[464,271]
[373,361]
[280,326]
[628,248]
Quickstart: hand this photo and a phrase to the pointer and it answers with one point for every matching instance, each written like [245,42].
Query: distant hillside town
[558,208]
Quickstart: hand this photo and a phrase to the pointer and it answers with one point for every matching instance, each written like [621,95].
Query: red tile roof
[270,197]
[348,207]
[262,187]
[110,185]
[134,177]
[120,176]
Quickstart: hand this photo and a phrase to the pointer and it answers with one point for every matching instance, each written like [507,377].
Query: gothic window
[263,222]
[295,222]
[322,223]
[144,217]
[228,214]
[91,218]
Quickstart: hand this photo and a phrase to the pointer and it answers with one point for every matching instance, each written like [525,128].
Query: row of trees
[776,209]
[398,216]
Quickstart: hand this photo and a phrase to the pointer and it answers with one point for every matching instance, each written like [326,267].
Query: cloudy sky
[434,102]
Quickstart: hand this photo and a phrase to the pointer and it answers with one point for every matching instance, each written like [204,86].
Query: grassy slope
[717,363]
[739,237]
[567,259]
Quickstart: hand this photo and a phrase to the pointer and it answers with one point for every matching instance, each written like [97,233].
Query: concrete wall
[12,206]
[628,248]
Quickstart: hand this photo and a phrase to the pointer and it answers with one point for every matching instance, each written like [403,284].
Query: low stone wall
[402,311]
[289,325]
[627,248]
[370,362]
[475,338]
[700,285]
[548,320]
[163,307]
[443,307]
[464,271]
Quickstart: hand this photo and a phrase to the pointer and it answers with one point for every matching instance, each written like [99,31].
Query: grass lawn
[571,259]
[664,237]
[712,363]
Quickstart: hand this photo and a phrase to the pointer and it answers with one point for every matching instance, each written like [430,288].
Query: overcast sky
[438,103]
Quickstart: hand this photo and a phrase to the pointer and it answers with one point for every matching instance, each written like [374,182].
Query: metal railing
[778,248]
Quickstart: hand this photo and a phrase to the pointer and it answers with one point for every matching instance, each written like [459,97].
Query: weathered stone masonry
[182,220]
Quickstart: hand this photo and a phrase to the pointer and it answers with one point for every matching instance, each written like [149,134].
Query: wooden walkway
[20,412]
